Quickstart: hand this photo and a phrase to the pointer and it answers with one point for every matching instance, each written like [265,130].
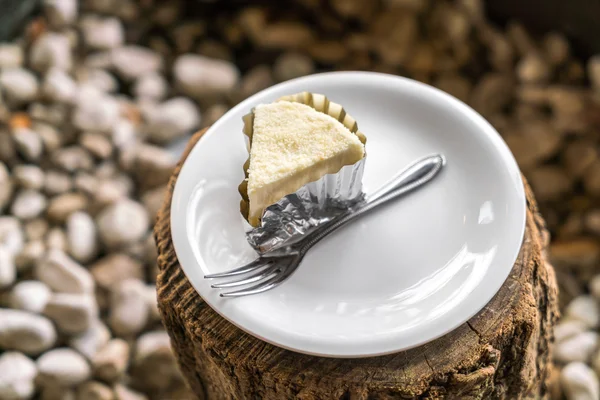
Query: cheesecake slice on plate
[292,142]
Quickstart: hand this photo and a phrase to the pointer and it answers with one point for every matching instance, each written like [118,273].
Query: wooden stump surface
[502,352]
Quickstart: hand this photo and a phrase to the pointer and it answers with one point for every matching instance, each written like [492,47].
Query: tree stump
[502,352]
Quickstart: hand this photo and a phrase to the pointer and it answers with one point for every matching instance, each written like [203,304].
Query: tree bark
[502,352]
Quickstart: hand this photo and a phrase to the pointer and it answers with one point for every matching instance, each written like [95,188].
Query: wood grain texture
[503,352]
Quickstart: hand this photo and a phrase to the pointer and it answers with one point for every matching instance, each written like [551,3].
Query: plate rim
[508,160]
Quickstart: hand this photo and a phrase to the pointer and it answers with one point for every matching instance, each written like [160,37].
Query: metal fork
[271,269]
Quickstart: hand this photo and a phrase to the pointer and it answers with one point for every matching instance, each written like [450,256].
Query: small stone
[151,251]
[62,206]
[32,253]
[82,236]
[95,111]
[594,287]
[102,33]
[28,204]
[11,234]
[579,156]
[19,85]
[51,50]
[99,79]
[213,114]
[85,183]
[199,76]
[49,135]
[28,143]
[593,70]
[493,92]
[29,176]
[578,253]
[62,274]
[109,191]
[132,62]
[17,374]
[122,392]
[124,134]
[172,120]
[533,68]
[30,296]
[73,158]
[97,144]
[549,182]
[154,366]
[25,332]
[129,309]
[62,366]
[94,391]
[152,302]
[36,228]
[153,200]
[6,186]
[255,80]
[123,222]
[11,56]
[585,309]
[57,182]
[111,361]
[115,268]
[152,87]
[56,239]
[579,347]
[56,392]
[152,166]
[556,48]
[8,270]
[579,382]
[60,13]
[92,340]
[58,86]
[567,329]
[72,313]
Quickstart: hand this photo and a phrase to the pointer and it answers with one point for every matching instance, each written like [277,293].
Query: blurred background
[98,98]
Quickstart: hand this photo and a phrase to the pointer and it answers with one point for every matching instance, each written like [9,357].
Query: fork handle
[409,179]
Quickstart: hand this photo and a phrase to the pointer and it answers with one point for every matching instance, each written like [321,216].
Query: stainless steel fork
[271,269]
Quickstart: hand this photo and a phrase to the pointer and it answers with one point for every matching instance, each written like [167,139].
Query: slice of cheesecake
[295,141]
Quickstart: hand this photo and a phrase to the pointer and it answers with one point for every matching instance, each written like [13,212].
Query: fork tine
[264,285]
[252,266]
[260,275]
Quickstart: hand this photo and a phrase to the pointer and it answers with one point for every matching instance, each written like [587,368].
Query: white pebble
[566,329]
[11,234]
[62,366]
[172,120]
[32,252]
[56,239]
[95,110]
[72,313]
[51,50]
[29,143]
[122,223]
[152,302]
[11,55]
[100,79]
[150,343]
[8,270]
[102,33]
[81,236]
[132,62]
[129,308]
[92,340]
[28,204]
[584,308]
[594,287]
[576,348]
[17,374]
[124,134]
[26,332]
[30,296]
[63,274]
[60,13]
[19,85]
[152,87]
[111,361]
[579,382]
[198,76]
[58,86]
[29,176]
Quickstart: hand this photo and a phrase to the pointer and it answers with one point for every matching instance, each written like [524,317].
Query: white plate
[394,279]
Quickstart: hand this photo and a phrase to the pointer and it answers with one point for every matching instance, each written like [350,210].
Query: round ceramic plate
[398,277]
